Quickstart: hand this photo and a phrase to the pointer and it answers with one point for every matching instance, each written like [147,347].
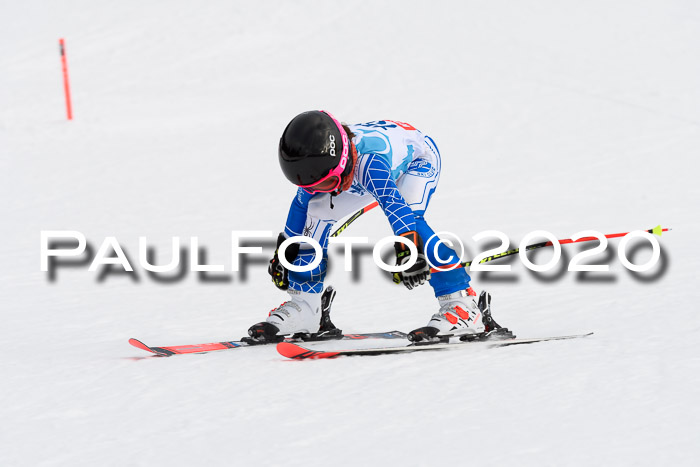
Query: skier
[339,169]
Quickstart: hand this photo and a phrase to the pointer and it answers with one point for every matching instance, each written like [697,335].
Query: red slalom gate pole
[66,86]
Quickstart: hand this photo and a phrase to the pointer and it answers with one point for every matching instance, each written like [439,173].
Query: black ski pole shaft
[353,218]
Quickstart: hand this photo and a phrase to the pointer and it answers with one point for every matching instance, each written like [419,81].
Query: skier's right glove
[418,273]
[280,274]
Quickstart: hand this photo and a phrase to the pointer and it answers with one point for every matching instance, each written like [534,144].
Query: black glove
[420,271]
[280,274]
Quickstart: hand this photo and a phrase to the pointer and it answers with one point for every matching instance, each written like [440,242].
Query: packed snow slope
[550,115]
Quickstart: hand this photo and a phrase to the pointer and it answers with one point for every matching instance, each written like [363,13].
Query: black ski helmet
[312,145]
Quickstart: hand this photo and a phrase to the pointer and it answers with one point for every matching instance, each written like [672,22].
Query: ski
[298,352]
[227,345]
[326,332]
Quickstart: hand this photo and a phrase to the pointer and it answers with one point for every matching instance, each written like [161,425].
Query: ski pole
[656,230]
[353,218]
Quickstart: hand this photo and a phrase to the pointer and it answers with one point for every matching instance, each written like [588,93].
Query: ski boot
[459,315]
[327,330]
[492,330]
[305,316]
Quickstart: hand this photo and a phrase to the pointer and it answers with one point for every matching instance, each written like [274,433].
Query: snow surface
[551,115]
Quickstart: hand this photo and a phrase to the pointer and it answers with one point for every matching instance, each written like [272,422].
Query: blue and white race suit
[399,167]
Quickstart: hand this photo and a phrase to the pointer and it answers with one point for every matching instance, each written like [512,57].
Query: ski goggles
[331,182]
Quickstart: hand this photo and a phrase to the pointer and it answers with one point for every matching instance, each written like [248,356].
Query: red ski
[299,352]
[202,348]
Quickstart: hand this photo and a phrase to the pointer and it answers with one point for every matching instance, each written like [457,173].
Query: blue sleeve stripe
[375,175]
[297,214]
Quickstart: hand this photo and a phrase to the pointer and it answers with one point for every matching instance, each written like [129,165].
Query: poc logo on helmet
[332,151]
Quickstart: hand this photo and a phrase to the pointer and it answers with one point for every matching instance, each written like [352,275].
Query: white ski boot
[304,314]
[459,315]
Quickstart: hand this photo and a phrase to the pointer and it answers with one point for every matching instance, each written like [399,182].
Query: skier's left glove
[418,273]
[280,274]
